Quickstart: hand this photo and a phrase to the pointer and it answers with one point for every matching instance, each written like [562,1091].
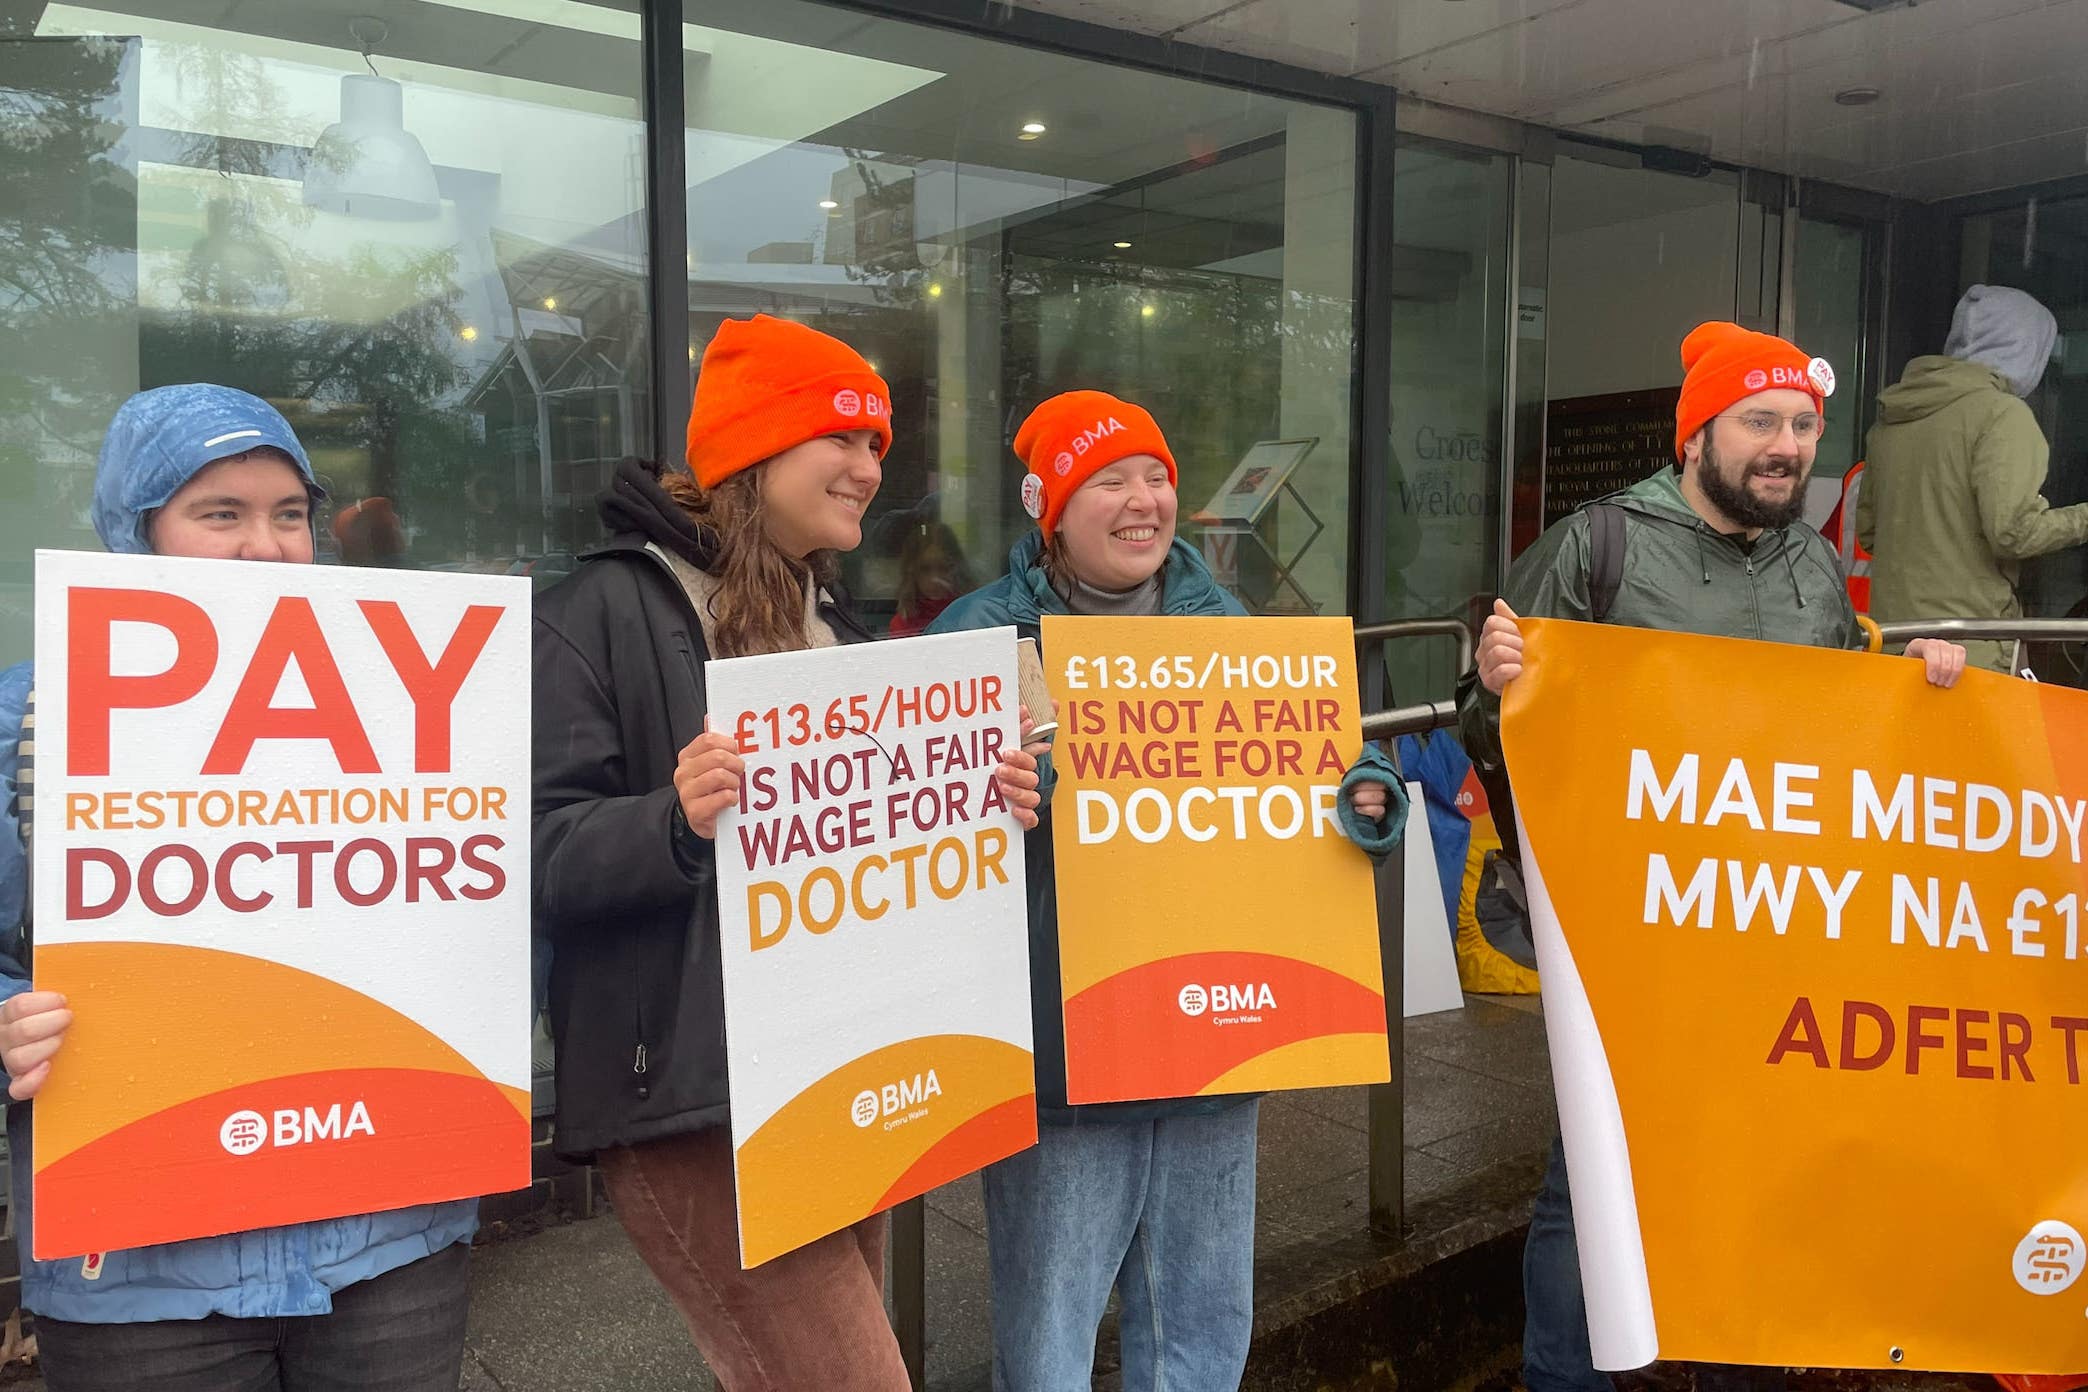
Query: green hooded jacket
[1680,576]
[1949,501]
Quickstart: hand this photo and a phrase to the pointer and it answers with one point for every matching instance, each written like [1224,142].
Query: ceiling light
[468,334]
[934,290]
[1031,130]
[550,302]
[828,204]
[367,164]
[1856,96]
[1121,246]
[1146,311]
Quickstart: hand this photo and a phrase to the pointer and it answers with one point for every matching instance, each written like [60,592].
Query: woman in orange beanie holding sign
[1153,1198]
[736,557]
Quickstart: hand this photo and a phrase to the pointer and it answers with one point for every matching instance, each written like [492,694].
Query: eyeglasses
[1765,426]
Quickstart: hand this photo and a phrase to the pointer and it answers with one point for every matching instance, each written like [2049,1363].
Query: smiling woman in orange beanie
[786,439]
[1155,1199]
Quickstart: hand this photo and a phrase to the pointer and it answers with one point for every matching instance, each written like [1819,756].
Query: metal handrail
[1420,628]
[1989,630]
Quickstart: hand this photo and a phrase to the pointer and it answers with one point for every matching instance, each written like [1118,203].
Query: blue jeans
[1556,1357]
[1161,1209]
[1555,1314]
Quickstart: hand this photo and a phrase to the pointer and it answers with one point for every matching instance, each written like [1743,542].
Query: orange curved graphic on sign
[366,1139]
[911,1115]
[143,1034]
[1184,1025]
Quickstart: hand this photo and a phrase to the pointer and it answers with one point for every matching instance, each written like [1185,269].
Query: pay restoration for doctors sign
[1815,995]
[1217,928]
[873,930]
[281,853]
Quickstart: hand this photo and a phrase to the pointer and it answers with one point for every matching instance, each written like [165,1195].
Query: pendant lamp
[367,164]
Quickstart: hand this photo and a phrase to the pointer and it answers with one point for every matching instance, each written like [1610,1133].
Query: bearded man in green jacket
[1714,545]
[1950,503]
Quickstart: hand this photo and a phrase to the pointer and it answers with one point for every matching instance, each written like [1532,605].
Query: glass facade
[992,225]
[392,227]
[423,229]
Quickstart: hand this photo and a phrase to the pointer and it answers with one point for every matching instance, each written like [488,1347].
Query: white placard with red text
[281,857]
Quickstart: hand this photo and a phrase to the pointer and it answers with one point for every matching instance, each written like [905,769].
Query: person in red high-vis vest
[1840,531]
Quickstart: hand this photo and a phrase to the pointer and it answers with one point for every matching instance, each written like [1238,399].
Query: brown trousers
[810,1321]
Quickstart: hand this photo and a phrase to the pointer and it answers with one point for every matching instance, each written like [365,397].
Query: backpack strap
[1605,558]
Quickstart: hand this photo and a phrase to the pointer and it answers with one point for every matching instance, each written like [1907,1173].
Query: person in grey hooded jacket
[1950,502]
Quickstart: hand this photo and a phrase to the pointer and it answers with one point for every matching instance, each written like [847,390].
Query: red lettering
[1851,1059]
[1969,1044]
[418,872]
[292,634]
[475,850]
[433,689]
[230,897]
[77,859]
[1800,1035]
[148,880]
[387,875]
[2015,1044]
[1919,1038]
[303,851]
[2070,1027]
[92,692]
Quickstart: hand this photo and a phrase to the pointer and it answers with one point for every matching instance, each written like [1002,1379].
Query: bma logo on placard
[245,1132]
[1227,1004]
[895,1104]
[2050,1258]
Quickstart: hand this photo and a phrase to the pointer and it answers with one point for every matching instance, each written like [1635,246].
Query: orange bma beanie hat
[1723,362]
[767,384]
[1068,438]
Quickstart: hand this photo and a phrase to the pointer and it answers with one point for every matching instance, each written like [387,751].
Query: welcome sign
[1217,928]
[1817,993]
[282,875]
[873,927]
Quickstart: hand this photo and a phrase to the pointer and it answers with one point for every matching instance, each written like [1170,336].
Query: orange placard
[1816,985]
[1217,930]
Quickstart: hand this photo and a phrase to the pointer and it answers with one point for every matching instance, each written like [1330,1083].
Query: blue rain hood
[160,439]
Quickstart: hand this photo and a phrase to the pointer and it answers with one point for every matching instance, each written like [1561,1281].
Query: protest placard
[1814,989]
[873,929]
[281,857]
[1217,929]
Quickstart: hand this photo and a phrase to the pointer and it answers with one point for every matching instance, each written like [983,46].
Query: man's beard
[1743,507]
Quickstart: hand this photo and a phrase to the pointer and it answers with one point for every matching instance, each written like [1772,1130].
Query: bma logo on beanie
[1757,380]
[847,403]
[1066,439]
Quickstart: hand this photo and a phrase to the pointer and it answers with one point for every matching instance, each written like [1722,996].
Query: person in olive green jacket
[1715,546]
[1950,504]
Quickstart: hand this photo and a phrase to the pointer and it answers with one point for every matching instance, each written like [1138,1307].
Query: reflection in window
[429,254]
[1184,245]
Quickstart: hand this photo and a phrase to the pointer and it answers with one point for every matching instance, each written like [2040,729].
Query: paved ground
[571,1309]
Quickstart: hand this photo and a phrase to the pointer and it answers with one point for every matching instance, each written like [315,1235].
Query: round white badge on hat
[1033,495]
[1821,375]
[1063,465]
[847,403]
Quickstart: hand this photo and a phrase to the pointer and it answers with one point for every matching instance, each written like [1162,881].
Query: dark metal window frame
[667,219]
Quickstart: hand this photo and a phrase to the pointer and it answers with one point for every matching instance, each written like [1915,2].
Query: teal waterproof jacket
[1021,598]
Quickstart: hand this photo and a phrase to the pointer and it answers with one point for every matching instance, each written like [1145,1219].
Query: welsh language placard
[873,929]
[1817,994]
[281,858]
[1217,928]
